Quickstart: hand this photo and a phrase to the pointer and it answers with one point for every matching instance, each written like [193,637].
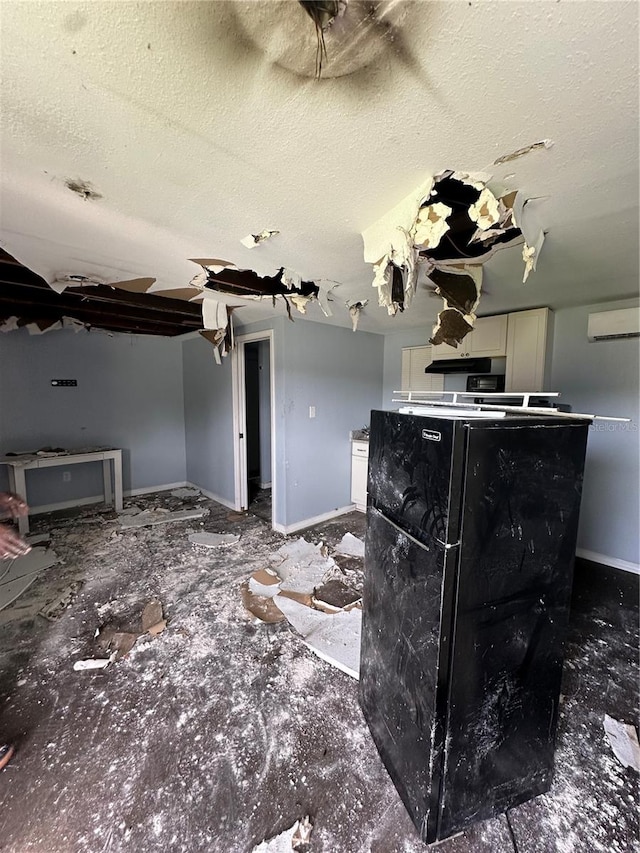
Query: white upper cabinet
[487,340]
[414,361]
[527,337]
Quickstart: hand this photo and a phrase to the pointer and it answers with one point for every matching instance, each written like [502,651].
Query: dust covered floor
[221,732]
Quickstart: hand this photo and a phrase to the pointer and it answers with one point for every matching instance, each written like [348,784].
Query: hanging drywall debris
[623,740]
[520,152]
[40,327]
[526,218]
[64,280]
[452,220]
[460,286]
[72,323]
[253,240]
[214,265]
[293,840]
[10,324]
[134,285]
[431,225]
[451,327]
[355,309]
[214,314]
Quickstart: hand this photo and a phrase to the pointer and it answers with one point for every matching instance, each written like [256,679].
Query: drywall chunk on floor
[265,582]
[350,546]
[185,493]
[301,565]
[296,838]
[623,739]
[335,595]
[260,606]
[213,540]
[157,516]
[336,639]
[17,575]
[56,607]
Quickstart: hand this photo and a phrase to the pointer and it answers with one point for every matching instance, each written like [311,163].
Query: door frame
[240,418]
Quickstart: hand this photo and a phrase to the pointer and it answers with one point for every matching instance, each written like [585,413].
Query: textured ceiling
[199,123]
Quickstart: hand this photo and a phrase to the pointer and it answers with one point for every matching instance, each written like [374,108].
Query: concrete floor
[222,732]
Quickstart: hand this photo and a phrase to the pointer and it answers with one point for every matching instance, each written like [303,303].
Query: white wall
[129,395]
[602,378]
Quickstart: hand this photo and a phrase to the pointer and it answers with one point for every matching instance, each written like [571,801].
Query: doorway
[254,424]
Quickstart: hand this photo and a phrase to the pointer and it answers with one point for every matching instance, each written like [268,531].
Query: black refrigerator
[469,551]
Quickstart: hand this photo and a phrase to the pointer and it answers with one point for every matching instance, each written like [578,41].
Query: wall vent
[611,325]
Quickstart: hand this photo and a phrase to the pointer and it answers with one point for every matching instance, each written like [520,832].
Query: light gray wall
[340,373]
[129,395]
[265,412]
[602,378]
[208,419]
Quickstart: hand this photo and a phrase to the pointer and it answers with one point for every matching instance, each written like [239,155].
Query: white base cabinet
[359,470]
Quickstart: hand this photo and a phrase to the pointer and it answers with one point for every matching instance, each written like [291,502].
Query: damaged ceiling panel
[448,228]
[26,299]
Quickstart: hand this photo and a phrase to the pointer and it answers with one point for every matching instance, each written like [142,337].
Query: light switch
[312,411]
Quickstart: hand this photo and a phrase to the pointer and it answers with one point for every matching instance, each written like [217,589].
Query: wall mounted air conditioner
[608,325]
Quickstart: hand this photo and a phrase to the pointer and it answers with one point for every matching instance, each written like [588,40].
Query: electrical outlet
[66,476]
[312,411]
[68,382]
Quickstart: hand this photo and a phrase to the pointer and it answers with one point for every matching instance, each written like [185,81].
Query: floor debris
[213,540]
[260,606]
[37,538]
[18,574]
[160,516]
[301,565]
[350,546]
[623,739]
[335,595]
[336,639]
[54,609]
[112,638]
[185,493]
[93,663]
[296,838]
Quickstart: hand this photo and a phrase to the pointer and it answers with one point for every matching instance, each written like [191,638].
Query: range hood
[459,365]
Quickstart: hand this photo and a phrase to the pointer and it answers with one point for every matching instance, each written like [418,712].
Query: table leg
[117,480]
[106,475]
[18,484]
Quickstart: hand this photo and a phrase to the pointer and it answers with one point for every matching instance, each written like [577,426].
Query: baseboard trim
[286,529]
[98,499]
[614,562]
[212,496]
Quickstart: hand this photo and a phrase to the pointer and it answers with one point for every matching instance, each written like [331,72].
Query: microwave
[487,382]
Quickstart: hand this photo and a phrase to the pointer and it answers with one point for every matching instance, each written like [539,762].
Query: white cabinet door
[489,337]
[359,467]
[487,340]
[526,350]
[414,361]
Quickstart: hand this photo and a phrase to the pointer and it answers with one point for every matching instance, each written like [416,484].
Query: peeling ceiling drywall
[139,135]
